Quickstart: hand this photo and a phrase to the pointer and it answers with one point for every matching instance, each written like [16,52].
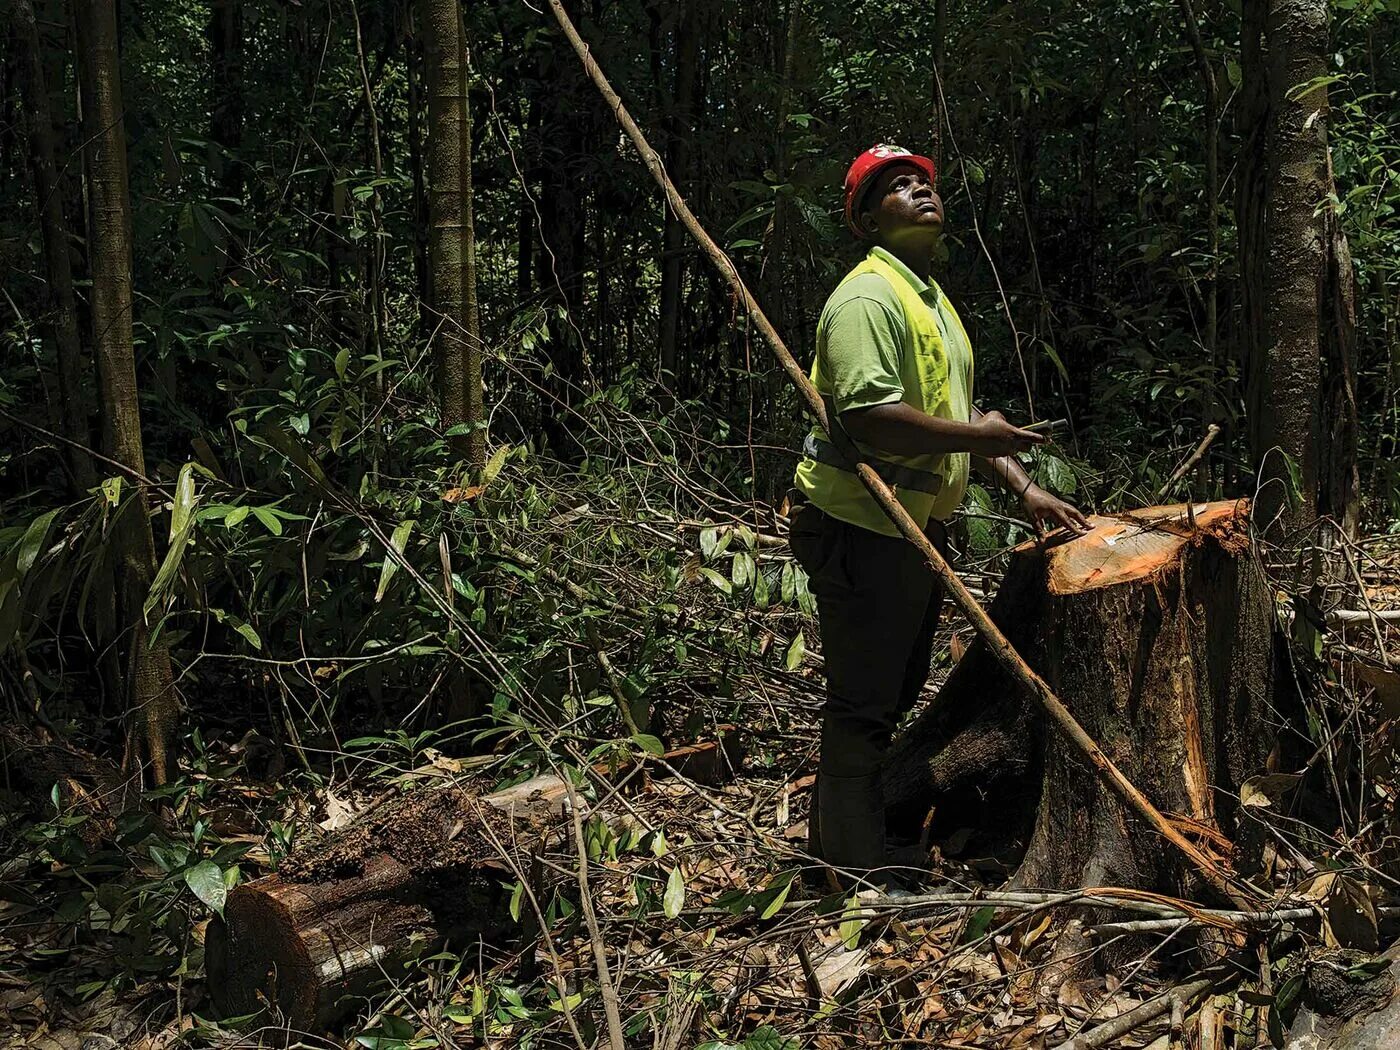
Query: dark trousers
[879,606]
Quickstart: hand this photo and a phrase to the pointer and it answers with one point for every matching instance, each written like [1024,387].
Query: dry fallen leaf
[339,812]
[1267,788]
[462,495]
[838,969]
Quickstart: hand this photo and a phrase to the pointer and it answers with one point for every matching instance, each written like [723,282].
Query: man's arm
[1042,506]
[904,430]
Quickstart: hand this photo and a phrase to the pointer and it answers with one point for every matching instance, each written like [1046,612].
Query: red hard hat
[871,163]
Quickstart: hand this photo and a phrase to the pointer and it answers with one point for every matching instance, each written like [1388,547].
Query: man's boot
[851,819]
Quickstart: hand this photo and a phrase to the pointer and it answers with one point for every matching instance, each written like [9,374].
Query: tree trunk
[451,245]
[413,74]
[226,94]
[1157,632]
[1211,102]
[48,201]
[678,131]
[1296,275]
[342,914]
[151,701]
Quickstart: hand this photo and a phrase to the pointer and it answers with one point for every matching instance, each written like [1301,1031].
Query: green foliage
[328,573]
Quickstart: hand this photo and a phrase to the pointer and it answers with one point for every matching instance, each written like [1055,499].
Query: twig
[624,708]
[1249,920]
[595,933]
[1191,460]
[809,975]
[1351,616]
[1124,1023]
[1000,646]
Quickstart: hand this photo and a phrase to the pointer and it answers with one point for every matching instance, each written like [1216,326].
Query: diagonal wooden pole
[990,633]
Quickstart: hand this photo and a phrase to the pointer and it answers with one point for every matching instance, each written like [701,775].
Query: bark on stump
[339,916]
[1156,629]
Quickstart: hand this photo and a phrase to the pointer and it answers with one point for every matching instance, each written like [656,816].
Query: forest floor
[711,937]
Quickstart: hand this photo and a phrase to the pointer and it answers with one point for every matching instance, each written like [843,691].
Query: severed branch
[1180,472]
[1106,1033]
[997,642]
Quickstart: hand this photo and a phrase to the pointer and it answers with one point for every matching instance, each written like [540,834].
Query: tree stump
[1156,629]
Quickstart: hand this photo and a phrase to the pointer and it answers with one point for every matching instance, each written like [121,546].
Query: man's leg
[921,655]
[872,596]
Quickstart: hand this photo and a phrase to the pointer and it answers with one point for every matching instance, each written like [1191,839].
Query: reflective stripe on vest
[896,475]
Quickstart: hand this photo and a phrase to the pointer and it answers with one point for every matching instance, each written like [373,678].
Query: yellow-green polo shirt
[886,335]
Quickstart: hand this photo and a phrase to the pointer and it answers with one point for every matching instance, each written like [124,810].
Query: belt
[897,475]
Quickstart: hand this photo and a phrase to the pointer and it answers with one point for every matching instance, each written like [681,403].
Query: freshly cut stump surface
[1155,629]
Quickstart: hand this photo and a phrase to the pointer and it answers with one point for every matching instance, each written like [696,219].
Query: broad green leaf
[270,521]
[650,744]
[169,565]
[494,465]
[206,881]
[740,569]
[783,885]
[760,589]
[112,490]
[32,542]
[716,579]
[795,652]
[977,926]
[246,630]
[517,897]
[458,1013]
[849,930]
[674,898]
[184,501]
[709,543]
[398,541]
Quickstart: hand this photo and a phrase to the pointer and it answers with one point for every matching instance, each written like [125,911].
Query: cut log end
[339,915]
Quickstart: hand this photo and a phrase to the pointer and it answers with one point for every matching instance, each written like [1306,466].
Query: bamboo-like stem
[990,633]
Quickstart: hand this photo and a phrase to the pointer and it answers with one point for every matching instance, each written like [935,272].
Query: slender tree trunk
[48,199]
[1297,278]
[226,108]
[151,700]
[451,247]
[679,129]
[525,218]
[413,60]
[940,51]
[1211,103]
[781,274]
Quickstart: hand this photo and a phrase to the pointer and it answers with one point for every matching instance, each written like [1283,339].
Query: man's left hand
[1048,510]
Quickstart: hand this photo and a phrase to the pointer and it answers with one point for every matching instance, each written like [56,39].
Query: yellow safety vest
[930,485]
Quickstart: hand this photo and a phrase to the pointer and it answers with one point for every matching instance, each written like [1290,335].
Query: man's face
[901,205]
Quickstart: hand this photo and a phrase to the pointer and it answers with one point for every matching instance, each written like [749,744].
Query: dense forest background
[260,523]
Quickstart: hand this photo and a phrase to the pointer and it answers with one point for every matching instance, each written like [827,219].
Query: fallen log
[1347,1004]
[337,917]
[1158,624]
[35,763]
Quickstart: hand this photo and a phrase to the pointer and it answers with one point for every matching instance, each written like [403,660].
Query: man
[894,365]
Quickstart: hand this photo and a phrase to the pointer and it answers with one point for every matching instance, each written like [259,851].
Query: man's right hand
[992,436]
